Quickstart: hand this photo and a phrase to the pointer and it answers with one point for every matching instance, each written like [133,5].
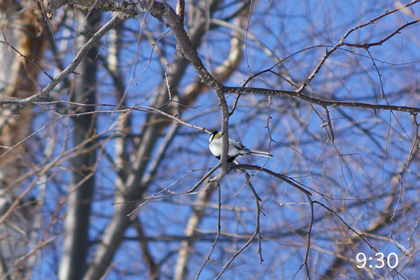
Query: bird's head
[215,135]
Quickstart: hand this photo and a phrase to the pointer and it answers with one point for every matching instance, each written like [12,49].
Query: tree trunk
[76,243]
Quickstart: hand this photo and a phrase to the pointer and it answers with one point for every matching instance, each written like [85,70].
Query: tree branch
[69,70]
[322,102]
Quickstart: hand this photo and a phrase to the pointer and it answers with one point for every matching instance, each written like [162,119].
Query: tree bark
[23,46]
[76,243]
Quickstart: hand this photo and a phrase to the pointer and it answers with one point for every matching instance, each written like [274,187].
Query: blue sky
[370,147]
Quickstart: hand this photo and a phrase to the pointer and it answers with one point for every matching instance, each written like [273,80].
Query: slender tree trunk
[22,29]
[76,244]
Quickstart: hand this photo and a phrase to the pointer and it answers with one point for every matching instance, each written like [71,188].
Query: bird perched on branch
[236,149]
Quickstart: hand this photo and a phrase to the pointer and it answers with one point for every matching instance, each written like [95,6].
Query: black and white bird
[236,149]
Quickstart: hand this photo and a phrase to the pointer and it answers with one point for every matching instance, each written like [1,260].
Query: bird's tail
[260,153]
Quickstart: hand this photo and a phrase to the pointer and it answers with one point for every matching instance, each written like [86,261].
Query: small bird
[236,149]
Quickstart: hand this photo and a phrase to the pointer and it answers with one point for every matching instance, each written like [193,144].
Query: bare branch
[319,101]
[69,70]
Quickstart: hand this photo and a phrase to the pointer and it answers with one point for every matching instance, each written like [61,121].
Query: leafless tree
[106,109]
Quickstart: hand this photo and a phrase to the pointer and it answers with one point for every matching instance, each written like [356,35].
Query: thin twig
[69,70]
[219,227]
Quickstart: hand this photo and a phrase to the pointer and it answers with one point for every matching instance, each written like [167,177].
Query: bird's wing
[237,144]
